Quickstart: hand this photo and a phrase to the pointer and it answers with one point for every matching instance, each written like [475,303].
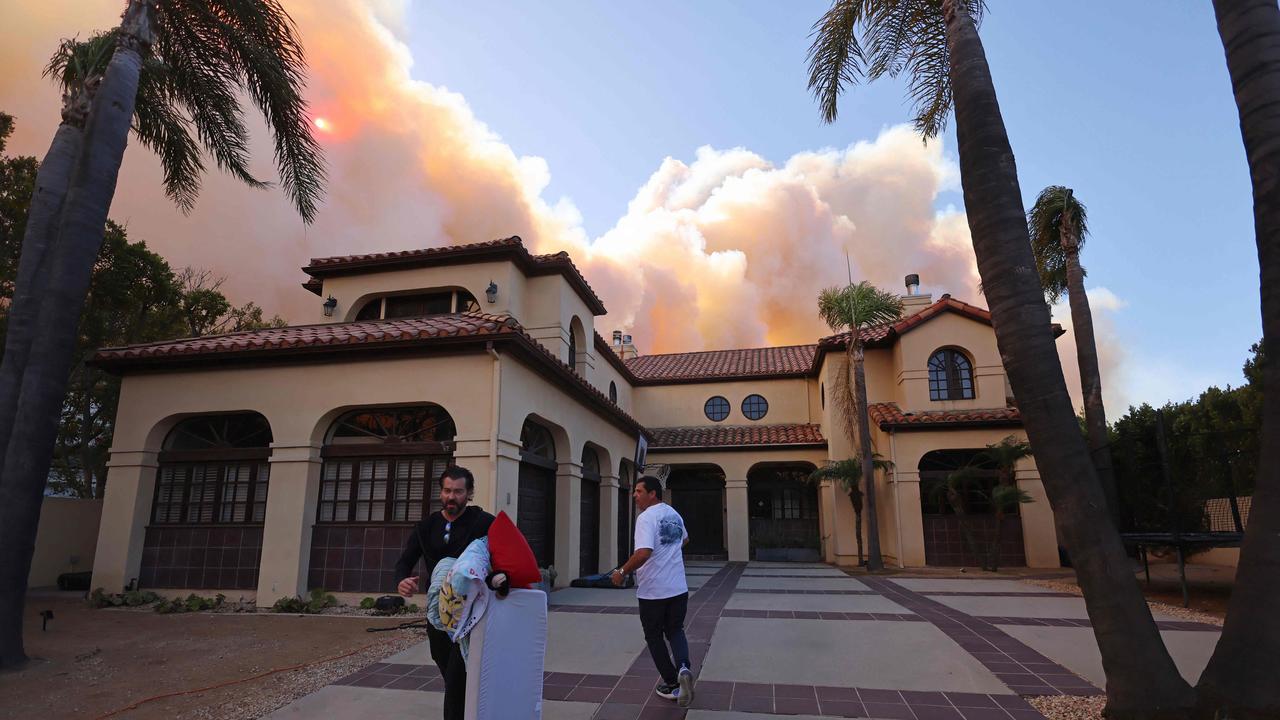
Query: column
[292,494]
[568,521]
[737,520]
[473,454]
[906,495]
[609,487]
[126,510]
[1039,535]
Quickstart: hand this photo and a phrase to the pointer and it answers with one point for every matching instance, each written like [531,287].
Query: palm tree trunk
[52,181]
[857,524]
[1240,675]
[874,559]
[1095,415]
[1142,680]
[44,384]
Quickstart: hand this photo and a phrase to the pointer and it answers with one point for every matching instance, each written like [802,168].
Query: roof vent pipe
[913,284]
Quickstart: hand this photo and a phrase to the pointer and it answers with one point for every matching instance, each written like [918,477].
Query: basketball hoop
[659,470]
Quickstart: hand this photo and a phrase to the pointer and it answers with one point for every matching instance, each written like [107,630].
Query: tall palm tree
[1006,496]
[848,475]
[1058,225]
[1237,674]
[936,44]
[853,309]
[172,66]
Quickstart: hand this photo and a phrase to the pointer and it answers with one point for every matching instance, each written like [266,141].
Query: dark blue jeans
[663,622]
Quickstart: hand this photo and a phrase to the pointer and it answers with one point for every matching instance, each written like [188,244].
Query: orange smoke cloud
[728,249]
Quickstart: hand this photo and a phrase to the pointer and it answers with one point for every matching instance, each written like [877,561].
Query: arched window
[380,464]
[613,392]
[213,469]
[418,304]
[950,376]
[755,407]
[573,350]
[536,442]
[716,408]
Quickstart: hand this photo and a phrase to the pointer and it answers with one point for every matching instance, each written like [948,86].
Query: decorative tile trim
[1017,665]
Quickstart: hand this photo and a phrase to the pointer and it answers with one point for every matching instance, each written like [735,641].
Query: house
[279,460]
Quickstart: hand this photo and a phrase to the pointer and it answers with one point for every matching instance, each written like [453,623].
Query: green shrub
[191,603]
[318,600]
[367,603]
[99,598]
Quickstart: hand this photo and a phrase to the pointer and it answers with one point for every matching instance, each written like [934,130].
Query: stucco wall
[682,405]
[351,290]
[948,330]
[65,540]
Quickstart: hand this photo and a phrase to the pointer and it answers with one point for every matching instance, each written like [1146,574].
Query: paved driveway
[800,641]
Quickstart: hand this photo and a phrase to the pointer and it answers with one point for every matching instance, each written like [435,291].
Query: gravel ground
[1174,610]
[278,690]
[1070,707]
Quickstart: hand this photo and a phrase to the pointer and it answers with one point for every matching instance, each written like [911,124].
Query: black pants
[448,657]
[663,622]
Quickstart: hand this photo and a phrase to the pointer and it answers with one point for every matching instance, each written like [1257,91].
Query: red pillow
[509,552]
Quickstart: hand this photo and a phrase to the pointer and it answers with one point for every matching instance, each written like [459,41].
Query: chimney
[628,350]
[913,302]
[617,338]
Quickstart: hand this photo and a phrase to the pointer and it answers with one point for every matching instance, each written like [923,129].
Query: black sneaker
[685,697]
[668,692]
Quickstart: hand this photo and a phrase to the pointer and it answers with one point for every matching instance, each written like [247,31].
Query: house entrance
[698,495]
[959,522]
[783,510]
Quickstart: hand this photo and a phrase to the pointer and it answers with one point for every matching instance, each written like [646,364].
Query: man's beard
[453,505]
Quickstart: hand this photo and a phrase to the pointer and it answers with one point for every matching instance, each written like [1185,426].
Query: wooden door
[536,512]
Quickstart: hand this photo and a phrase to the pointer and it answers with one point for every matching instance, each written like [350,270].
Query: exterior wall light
[491,292]
[330,305]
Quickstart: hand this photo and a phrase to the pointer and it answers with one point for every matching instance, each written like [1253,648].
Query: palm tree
[170,67]
[1236,680]
[936,44]
[848,475]
[955,490]
[853,309]
[1058,225]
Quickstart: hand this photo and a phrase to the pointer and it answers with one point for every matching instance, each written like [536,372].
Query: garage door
[589,536]
[536,512]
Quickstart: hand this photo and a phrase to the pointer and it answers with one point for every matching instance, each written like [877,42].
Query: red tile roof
[299,337]
[729,436]
[888,416]
[511,248]
[375,335]
[792,361]
[885,335]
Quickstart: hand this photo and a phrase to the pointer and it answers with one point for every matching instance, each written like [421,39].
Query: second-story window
[716,408]
[418,305]
[950,376]
[755,407]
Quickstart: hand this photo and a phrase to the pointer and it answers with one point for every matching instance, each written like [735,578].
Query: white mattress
[504,670]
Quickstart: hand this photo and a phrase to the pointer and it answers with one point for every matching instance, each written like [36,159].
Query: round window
[754,407]
[717,409]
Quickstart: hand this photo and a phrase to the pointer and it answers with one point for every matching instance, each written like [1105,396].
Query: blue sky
[1131,108]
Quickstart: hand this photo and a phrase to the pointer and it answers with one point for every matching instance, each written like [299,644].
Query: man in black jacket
[440,535]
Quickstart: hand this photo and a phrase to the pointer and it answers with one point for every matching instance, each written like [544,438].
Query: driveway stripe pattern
[1021,669]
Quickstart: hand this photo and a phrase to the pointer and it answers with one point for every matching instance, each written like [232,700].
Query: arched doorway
[210,504]
[697,493]
[625,478]
[536,511]
[589,519]
[379,478]
[783,514]
[958,520]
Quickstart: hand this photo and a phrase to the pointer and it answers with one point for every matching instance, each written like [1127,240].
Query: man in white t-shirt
[658,563]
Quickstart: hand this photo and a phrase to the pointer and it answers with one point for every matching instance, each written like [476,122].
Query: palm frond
[1044,224]
[835,56]
[1004,498]
[876,38]
[166,132]
[1007,452]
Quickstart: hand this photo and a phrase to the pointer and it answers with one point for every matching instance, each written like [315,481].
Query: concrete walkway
[799,641]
